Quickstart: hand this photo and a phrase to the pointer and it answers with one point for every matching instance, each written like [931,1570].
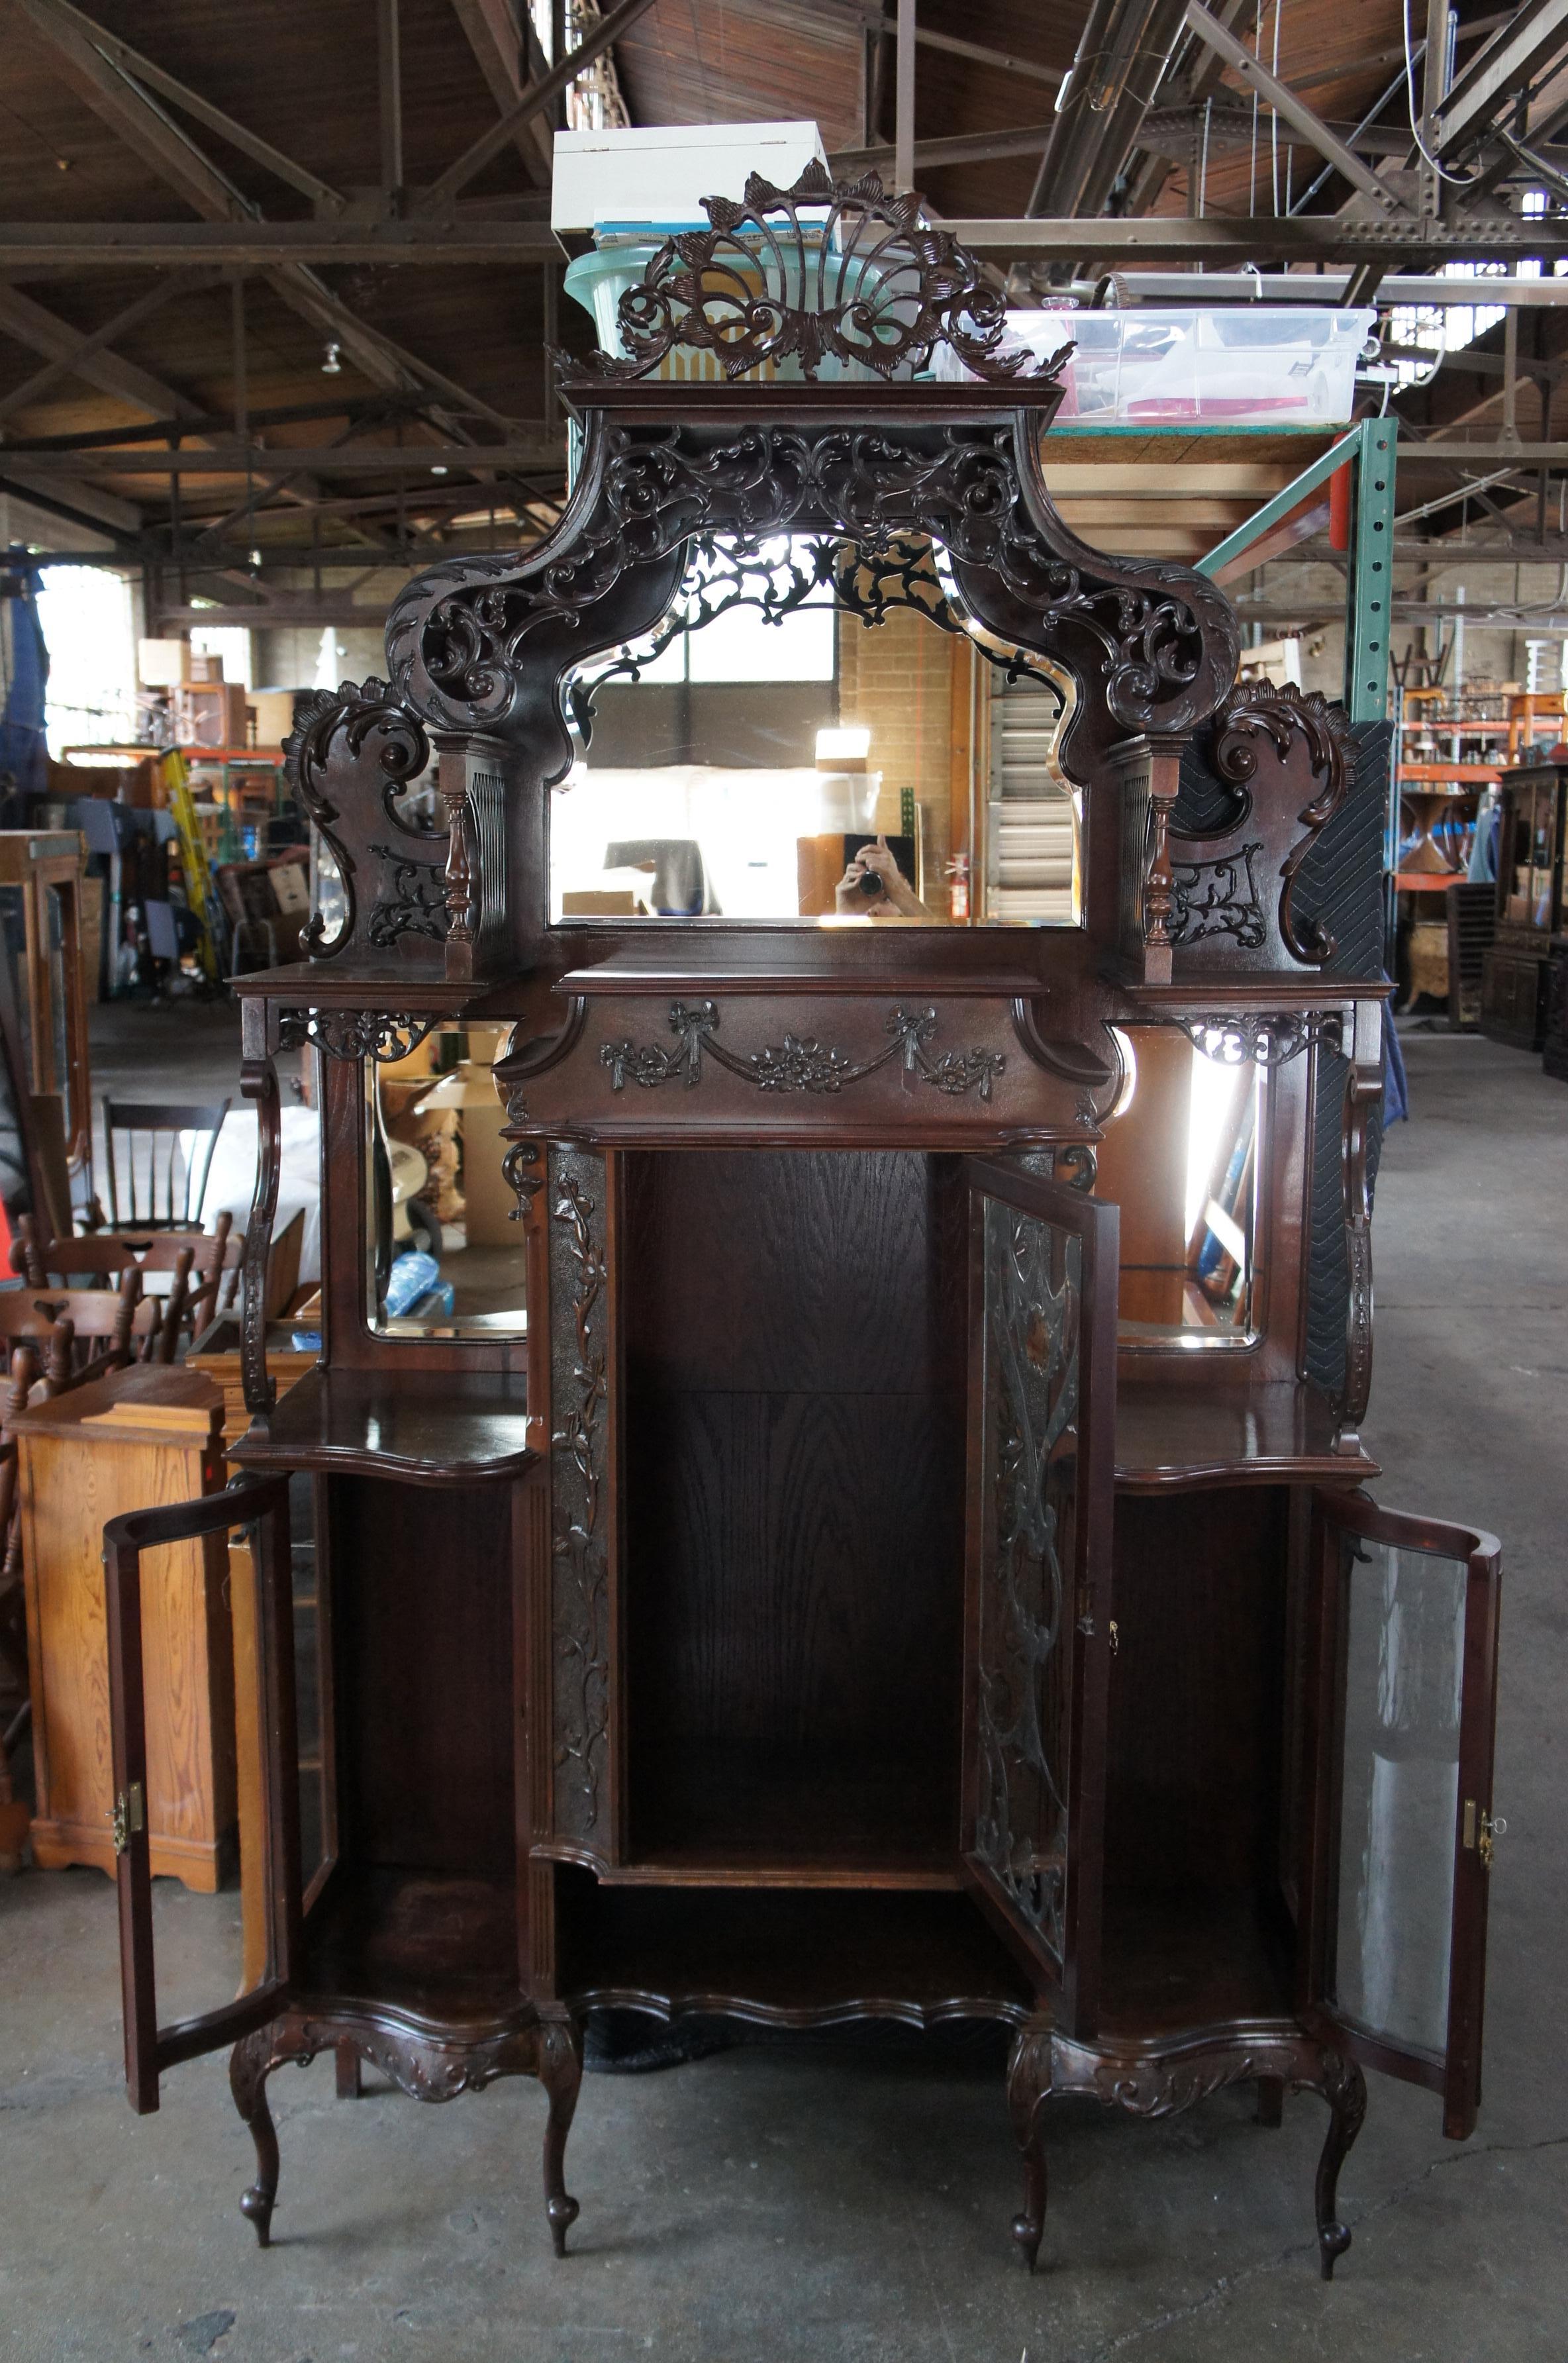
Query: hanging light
[332,366]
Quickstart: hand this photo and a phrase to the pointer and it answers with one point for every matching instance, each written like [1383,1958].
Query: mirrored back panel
[444,1257]
[1181,1158]
[818,735]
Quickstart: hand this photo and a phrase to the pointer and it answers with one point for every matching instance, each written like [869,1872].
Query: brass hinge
[1480,1841]
[129,1816]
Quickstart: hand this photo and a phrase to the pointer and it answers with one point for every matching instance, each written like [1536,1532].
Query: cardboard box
[163,664]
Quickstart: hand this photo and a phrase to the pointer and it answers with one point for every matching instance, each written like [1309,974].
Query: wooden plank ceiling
[448,353]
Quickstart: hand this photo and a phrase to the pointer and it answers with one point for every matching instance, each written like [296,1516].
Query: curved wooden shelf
[428,1429]
[1170,1436]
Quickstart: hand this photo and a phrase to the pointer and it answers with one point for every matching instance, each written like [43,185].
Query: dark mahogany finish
[811,1622]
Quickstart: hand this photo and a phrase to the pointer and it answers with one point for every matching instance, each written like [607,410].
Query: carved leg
[348,2067]
[1028,2090]
[249,2065]
[1344,2088]
[1271,2101]
[560,2072]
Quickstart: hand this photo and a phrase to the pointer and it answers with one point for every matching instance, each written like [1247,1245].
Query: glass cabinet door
[1042,1407]
[260,1505]
[1410,1626]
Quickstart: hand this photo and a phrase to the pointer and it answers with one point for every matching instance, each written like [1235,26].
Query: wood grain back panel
[421,1649]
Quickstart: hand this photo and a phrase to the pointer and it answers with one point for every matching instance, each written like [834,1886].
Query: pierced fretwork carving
[1033,1303]
[802,1063]
[1277,711]
[862,282]
[1165,638]
[722,576]
[353,1033]
[1218,897]
[1266,1038]
[579,1448]
[417,904]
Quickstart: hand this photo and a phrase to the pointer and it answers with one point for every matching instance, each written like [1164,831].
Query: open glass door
[262,1502]
[1410,1653]
[1038,1634]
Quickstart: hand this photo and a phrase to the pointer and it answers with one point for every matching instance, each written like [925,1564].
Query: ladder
[200,892]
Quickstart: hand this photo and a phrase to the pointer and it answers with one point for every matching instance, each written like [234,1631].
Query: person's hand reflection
[874,885]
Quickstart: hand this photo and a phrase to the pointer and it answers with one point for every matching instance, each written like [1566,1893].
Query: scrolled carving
[520,1173]
[1276,711]
[799,1063]
[865,282]
[1364,1099]
[355,714]
[578,1445]
[1269,1039]
[354,1033]
[1155,2079]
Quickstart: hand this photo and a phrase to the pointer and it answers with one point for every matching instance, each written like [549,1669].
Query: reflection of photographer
[874,885]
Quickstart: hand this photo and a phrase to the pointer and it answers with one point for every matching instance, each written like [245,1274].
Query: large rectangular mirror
[815,735]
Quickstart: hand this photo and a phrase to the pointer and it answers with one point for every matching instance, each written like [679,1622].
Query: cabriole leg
[560,2072]
[249,2065]
[1344,2088]
[1028,2090]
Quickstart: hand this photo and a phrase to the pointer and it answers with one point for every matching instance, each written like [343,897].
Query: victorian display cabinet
[892,1540]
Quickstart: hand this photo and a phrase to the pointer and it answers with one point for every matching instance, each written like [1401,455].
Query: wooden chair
[164,1204]
[14,1717]
[83,1333]
[204,1264]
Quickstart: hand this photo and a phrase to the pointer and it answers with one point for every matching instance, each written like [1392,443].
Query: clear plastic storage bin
[1247,364]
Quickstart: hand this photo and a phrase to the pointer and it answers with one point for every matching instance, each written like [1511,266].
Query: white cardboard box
[656,178]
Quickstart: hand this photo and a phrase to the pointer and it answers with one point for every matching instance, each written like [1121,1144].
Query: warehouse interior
[299,305]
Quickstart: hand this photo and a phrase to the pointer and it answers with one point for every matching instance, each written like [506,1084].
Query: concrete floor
[756,2205]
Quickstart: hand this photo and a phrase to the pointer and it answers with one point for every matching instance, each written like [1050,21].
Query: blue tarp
[24,674]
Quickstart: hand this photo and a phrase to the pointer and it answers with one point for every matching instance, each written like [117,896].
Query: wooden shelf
[714,1817]
[435,1948]
[1169,1434]
[799,1960]
[428,1429]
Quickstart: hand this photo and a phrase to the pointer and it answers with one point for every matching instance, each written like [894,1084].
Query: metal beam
[491,33]
[1286,102]
[1286,238]
[1514,55]
[534,100]
[42,331]
[965,147]
[389,92]
[138,120]
[351,459]
[75,361]
[131,61]
[258,245]
[1019,69]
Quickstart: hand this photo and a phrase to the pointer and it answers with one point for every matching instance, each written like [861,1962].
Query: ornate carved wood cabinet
[918,1563]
